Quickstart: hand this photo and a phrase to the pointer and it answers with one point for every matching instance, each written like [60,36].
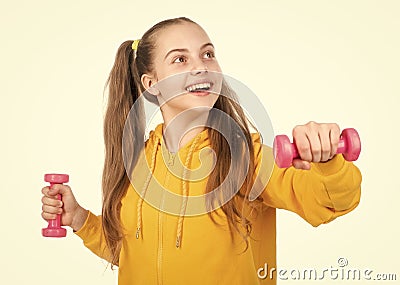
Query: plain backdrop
[326,61]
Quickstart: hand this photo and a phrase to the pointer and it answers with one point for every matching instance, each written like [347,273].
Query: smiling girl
[150,227]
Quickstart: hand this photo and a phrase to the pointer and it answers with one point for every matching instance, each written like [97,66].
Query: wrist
[331,166]
[79,218]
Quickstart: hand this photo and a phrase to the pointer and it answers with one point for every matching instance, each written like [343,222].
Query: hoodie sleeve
[93,238]
[319,195]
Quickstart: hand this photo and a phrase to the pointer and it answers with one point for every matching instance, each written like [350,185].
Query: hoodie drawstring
[185,193]
[143,193]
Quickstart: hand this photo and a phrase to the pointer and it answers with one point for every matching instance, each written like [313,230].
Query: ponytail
[119,131]
[124,129]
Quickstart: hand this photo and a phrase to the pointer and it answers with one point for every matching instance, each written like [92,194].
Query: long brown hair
[125,87]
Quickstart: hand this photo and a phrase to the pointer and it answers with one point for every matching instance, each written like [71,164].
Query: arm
[319,195]
[86,225]
[91,232]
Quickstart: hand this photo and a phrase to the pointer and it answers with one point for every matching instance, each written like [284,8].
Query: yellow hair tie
[135,45]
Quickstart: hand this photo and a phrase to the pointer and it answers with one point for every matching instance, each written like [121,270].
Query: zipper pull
[171,159]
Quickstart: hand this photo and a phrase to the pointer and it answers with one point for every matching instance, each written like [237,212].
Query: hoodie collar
[156,136]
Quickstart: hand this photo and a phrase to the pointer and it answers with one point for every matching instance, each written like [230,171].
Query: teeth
[203,86]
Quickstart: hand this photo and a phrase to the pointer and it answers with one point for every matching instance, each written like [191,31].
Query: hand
[315,143]
[72,214]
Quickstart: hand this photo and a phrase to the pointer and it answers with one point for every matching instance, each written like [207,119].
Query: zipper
[160,243]
[171,161]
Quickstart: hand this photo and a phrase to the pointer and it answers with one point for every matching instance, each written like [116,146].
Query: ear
[148,82]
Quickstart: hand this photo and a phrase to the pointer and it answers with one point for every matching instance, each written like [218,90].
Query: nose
[198,67]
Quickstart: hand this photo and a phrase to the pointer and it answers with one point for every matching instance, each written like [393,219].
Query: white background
[327,61]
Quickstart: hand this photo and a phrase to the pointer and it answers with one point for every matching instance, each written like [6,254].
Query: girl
[224,241]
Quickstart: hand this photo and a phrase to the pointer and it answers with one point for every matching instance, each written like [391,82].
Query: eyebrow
[185,50]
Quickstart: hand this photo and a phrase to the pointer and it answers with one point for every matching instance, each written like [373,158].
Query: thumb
[60,189]
[301,164]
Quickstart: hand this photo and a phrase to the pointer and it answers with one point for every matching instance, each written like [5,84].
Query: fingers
[334,139]
[325,144]
[51,204]
[301,140]
[50,212]
[315,142]
[59,189]
[51,207]
[308,142]
[47,216]
[46,192]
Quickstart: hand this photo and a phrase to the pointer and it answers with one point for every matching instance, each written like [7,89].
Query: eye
[209,54]
[179,59]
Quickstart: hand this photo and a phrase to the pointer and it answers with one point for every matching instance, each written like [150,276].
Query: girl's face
[186,73]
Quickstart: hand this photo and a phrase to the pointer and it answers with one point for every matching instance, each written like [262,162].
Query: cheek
[162,70]
[214,66]
[172,86]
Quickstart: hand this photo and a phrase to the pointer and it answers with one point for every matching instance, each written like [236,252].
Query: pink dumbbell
[285,151]
[54,228]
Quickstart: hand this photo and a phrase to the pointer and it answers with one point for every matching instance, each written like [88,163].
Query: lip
[200,93]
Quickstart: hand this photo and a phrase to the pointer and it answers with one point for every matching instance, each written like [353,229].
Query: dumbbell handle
[54,228]
[55,223]
[340,149]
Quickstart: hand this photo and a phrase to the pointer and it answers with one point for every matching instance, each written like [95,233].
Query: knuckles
[311,151]
[335,126]
[316,127]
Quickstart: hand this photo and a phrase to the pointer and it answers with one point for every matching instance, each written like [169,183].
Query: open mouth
[200,87]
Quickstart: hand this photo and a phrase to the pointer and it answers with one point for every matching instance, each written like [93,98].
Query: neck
[180,129]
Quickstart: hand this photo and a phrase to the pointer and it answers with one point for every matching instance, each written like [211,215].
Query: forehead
[182,35]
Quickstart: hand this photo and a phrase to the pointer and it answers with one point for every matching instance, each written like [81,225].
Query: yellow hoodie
[163,248]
